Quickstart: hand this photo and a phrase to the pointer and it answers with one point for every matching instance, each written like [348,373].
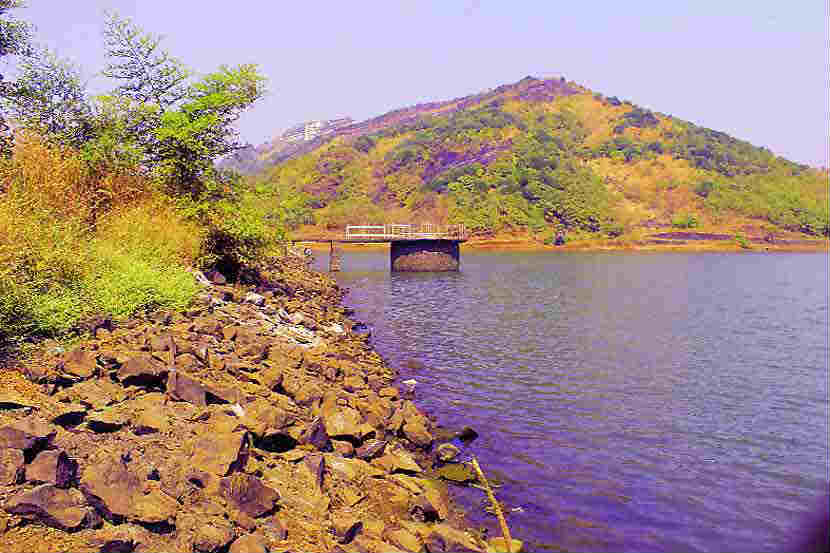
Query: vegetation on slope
[566,161]
[106,203]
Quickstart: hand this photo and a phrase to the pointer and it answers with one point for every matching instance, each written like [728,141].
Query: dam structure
[423,247]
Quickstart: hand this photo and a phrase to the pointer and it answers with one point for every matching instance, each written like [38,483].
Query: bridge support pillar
[334,258]
[425,255]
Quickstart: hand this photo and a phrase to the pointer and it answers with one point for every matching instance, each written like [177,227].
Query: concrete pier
[424,255]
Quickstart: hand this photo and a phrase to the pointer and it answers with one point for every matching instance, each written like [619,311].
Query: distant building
[310,130]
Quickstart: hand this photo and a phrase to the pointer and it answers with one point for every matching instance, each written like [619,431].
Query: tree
[147,73]
[15,39]
[49,98]
[182,127]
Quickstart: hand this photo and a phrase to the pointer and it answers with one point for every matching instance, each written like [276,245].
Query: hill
[544,157]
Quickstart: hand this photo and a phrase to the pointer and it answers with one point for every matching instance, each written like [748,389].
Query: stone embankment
[255,421]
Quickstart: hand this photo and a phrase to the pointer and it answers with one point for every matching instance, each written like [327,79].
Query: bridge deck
[395,233]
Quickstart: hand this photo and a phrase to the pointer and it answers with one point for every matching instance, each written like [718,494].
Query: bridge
[424,247]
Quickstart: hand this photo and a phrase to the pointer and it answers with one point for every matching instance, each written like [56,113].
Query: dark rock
[467,434]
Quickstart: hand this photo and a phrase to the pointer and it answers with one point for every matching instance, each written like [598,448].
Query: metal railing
[406,232]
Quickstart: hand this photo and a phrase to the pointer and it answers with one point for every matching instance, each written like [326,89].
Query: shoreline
[256,419]
[754,244]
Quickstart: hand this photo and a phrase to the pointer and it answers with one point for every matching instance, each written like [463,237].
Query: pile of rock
[255,421]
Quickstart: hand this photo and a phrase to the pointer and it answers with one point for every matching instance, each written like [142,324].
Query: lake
[628,401]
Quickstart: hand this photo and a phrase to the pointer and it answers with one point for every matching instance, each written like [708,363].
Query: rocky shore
[257,420]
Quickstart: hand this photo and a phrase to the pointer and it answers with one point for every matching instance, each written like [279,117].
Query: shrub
[684,220]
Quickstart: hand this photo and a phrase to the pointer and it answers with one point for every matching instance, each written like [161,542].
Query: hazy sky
[757,69]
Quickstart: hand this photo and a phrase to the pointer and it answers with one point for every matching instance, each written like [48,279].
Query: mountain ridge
[545,155]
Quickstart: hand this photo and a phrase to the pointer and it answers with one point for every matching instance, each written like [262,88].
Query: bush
[684,220]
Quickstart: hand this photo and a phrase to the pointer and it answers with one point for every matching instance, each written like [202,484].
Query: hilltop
[542,157]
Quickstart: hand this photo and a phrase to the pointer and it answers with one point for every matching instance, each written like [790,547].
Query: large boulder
[249,543]
[184,387]
[53,506]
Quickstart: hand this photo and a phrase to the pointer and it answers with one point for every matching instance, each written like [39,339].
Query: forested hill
[546,156]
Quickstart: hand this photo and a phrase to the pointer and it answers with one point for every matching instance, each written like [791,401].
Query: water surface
[637,402]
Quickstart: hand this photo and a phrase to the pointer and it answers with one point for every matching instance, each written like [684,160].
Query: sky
[756,69]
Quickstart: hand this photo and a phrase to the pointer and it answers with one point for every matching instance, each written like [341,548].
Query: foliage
[685,220]
[73,243]
[49,99]
[741,240]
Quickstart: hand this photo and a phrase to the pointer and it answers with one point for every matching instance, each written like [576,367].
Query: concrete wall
[425,255]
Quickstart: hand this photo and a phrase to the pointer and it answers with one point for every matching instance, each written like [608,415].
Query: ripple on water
[630,402]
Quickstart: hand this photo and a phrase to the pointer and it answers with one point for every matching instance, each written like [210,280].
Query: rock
[184,387]
[467,434]
[150,421]
[445,538]
[216,277]
[274,529]
[207,325]
[52,467]
[95,394]
[11,466]
[142,370]
[11,400]
[316,465]
[221,453]
[345,528]
[460,473]
[204,531]
[405,540]
[416,432]
[354,382]
[187,361]
[370,449]
[55,507]
[398,460]
[341,421]
[249,543]
[270,377]
[108,420]
[82,364]
[447,452]
[430,506]
[389,391]
[118,491]
[30,435]
[499,545]
[121,538]
[316,435]
[68,414]
[346,449]
[254,298]
[248,494]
